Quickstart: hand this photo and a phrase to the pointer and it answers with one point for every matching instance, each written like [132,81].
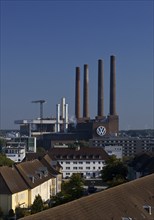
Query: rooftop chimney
[100,112]
[86,92]
[112,86]
[77,93]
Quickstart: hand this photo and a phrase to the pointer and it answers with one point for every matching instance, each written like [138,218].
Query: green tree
[4,161]
[74,187]
[115,172]
[37,205]
[71,189]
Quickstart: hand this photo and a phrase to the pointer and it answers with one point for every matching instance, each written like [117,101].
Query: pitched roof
[33,156]
[126,200]
[10,181]
[93,153]
[46,161]
[33,172]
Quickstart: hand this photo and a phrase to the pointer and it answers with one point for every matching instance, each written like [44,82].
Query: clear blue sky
[43,41]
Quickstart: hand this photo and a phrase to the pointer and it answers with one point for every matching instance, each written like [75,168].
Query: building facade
[130,146]
[86,161]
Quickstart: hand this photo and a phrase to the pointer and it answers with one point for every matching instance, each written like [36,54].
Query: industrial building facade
[99,132]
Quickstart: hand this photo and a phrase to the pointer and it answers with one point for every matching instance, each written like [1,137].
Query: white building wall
[88,168]
[114,150]
[44,190]
[17,155]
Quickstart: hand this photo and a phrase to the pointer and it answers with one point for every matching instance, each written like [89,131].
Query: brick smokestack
[86,92]
[100,112]
[112,86]
[77,93]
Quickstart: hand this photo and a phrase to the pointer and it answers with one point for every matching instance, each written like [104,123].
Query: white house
[15,153]
[38,179]
[88,161]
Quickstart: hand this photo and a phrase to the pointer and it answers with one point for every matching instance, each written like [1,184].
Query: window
[74,168]
[67,162]
[93,168]
[80,168]
[74,162]
[93,162]
[68,174]
[87,162]
[87,168]
[61,162]
[67,168]
[80,162]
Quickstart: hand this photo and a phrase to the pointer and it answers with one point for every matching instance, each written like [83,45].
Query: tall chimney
[77,93]
[63,108]
[112,86]
[86,92]
[100,109]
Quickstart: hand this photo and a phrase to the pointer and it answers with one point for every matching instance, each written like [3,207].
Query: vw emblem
[101,130]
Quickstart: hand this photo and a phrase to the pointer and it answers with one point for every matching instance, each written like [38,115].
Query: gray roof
[88,153]
[11,181]
[33,172]
[126,200]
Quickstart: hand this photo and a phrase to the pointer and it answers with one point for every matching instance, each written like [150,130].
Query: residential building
[20,184]
[53,166]
[85,160]
[13,190]
[54,169]
[16,153]
[38,179]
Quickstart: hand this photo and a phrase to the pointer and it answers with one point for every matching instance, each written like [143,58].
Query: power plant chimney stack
[86,92]
[100,113]
[112,86]
[77,93]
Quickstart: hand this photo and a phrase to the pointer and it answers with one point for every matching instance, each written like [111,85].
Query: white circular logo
[101,130]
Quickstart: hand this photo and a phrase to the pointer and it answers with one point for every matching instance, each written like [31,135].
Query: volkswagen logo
[101,130]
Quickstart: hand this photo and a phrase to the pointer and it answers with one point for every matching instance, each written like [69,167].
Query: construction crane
[41,102]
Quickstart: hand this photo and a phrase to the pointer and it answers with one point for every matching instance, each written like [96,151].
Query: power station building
[102,125]
[100,131]
[84,128]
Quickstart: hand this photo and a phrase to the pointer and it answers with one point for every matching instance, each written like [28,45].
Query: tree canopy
[37,205]
[4,161]
[74,186]
[115,172]
[71,189]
